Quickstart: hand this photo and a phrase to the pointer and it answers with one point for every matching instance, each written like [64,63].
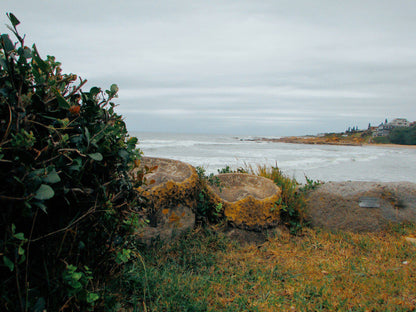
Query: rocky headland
[330,140]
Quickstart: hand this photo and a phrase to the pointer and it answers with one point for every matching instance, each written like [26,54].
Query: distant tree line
[403,135]
[399,135]
[351,130]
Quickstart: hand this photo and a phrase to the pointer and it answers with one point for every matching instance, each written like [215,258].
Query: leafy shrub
[227,169]
[66,192]
[403,135]
[381,140]
[292,201]
[207,210]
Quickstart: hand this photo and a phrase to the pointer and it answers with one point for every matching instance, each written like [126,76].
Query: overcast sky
[281,67]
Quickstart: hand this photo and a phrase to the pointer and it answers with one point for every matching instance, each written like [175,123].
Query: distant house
[384,129]
[399,122]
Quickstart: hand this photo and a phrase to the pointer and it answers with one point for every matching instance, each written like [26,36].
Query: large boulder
[170,194]
[361,206]
[248,201]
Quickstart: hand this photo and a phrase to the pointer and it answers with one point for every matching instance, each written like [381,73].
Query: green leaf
[75,284]
[8,263]
[27,53]
[22,259]
[44,192]
[114,88]
[77,164]
[19,236]
[123,154]
[13,19]
[96,156]
[132,141]
[91,297]
[94,91]
[13,228]
[64,122]
[71,268]
[21,251]
[7,43]
[42,206]
[52,177]
[76,276]
[61,100]
[41,64]
[123,256]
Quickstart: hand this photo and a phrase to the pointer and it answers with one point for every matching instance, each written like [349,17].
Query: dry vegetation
[314,271]
[328,139]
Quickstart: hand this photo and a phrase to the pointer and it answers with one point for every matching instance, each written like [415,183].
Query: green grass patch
[315,271]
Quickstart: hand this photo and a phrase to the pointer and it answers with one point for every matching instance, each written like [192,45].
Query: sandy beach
[392,145]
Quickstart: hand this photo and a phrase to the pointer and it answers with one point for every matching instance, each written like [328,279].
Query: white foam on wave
[337,163]
[147,144]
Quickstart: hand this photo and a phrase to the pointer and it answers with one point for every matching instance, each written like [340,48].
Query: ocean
[317,162]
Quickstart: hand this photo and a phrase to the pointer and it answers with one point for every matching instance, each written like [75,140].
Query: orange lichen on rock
[175,183]
[170,198]
[248,201]
[174,218]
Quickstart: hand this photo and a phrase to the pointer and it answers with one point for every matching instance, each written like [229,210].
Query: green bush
[403,135]
[381,140]
[292,201]
[65,192]
[207,211]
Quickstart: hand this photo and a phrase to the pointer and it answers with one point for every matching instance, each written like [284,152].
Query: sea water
[317,162]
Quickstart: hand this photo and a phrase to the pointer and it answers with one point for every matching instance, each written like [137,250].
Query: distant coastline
[330,140]
[397,133]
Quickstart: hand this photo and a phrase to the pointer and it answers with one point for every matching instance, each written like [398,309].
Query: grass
[293,203]
[315,271]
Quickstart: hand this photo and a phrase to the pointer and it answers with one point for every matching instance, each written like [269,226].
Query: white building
[399,122]
[384,129]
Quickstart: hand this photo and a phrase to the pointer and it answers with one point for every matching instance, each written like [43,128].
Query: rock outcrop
[249,202]
[171,193]
[361,206]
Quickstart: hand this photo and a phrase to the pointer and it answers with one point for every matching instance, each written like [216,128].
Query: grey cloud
[273,67]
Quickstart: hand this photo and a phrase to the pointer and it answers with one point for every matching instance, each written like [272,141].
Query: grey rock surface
[166,223]
[361,206]
[170,199]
